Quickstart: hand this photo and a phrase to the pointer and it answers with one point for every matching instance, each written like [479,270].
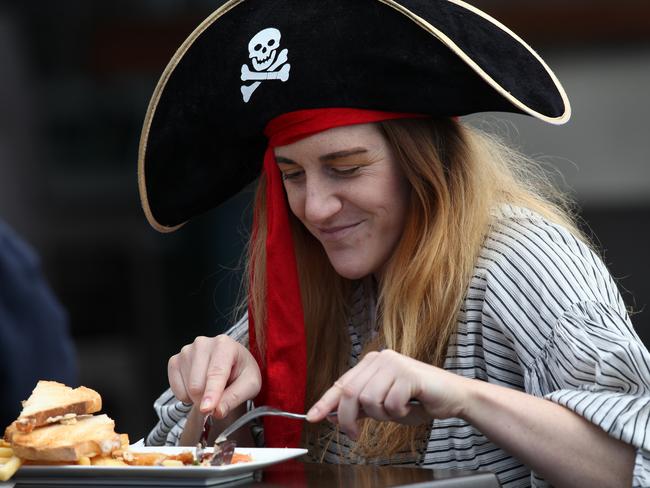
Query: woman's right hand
[216,373]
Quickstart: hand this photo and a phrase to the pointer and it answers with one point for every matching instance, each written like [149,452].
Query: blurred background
[75,80]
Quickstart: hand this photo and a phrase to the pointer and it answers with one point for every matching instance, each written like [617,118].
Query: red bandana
[284,369]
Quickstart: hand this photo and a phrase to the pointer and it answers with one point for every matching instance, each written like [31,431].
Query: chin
[351,272]
[353,276]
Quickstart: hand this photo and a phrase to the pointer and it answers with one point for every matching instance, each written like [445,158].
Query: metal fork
[265,410]
[255,413]
[224,449]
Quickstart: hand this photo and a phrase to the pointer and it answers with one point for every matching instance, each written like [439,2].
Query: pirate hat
[251,60]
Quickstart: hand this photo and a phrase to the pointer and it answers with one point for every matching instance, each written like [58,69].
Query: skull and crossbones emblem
[268,63]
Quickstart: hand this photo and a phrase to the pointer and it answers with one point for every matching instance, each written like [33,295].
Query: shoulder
[518,232]
[534,272]
[526,253]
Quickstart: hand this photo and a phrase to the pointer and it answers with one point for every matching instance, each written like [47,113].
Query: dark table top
[296,474]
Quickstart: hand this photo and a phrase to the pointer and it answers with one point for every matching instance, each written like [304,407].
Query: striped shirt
[541,315]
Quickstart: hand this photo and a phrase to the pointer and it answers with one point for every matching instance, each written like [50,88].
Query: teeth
[261,64]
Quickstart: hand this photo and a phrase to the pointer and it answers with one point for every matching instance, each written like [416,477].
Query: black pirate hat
[251,60]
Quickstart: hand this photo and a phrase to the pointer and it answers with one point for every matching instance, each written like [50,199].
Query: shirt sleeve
[172,413]
[558,307]
[595,367]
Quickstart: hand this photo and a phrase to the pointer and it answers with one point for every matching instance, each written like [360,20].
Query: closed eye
[345,171]
[291,175]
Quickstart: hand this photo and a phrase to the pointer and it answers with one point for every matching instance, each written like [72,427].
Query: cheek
[296,203]
[402,193]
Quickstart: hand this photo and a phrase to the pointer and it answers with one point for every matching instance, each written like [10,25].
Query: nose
[321,201]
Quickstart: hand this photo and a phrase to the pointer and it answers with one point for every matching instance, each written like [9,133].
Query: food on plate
[133,458]
[91,435]
[52,402]
[239,457]
[57,427]
[9,463]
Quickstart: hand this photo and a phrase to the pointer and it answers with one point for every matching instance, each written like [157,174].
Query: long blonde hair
[458,176]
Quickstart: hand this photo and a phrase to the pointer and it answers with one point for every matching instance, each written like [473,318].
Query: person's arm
[553,441]
[558,444]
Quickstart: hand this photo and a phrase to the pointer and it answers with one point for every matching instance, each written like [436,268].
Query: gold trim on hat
[562,119]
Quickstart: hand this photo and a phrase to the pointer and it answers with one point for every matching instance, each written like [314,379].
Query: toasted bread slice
[87,436]
[51,401]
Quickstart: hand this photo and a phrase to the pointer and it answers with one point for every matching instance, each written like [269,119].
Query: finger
[195,367]
[348,411]
[184,367]
[330,399]
[222,360]
[349,408]
[389,371]
[396,403]
[176,382]
[370,388]
[373,396]
[327,403]
[244,386]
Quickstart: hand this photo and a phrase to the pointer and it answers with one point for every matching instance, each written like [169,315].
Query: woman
[396,253]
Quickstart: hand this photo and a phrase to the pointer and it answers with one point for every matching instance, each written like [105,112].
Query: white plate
[156,475]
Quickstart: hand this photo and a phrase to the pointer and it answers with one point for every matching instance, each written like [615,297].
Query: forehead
[367,136]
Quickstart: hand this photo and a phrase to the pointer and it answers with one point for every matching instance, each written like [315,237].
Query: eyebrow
[329,156]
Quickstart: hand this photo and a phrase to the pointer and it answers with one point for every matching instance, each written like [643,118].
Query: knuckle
[217,370]
[372,354]
[182,396]
[200,340]
[195,389]
[172,363]
[368,400]
[347,392]
[395,409]
[222,339]
[389,357]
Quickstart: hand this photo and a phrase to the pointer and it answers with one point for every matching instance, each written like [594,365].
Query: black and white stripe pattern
[542,315]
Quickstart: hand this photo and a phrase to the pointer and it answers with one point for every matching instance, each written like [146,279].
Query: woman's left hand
[382,384]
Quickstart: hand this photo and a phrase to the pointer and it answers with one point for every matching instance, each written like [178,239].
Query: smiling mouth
[338,232]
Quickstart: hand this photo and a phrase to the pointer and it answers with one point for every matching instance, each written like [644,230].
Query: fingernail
[313,412]
[206,403]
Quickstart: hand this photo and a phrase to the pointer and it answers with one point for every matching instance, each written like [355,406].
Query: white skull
[263,48]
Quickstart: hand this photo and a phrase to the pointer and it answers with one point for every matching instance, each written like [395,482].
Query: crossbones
[270,74]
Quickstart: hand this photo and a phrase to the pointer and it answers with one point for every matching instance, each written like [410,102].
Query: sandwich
[57,425]
[51,402]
